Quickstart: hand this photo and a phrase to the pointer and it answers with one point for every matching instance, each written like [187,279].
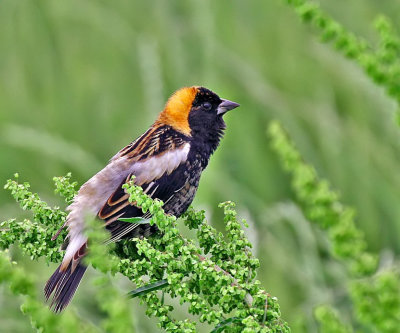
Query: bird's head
[196,112]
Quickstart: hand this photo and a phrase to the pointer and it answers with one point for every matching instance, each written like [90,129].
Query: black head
[205,117]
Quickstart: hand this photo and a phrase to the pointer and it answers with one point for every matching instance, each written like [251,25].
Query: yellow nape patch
[176,111]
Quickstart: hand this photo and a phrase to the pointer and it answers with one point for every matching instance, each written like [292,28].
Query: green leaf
[136,220]
[148,288]
[225,323]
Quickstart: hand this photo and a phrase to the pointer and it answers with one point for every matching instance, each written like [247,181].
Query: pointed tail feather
[63,284]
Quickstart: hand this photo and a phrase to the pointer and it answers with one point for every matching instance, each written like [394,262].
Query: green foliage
[65,188]
[33,237]
[381,63]
[375,297]
[215,277]
[42,319]
[377,301]
[118,317]
[330,321]
[223,284]
[321,205]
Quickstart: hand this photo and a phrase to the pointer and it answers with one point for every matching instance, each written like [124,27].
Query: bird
[167,162]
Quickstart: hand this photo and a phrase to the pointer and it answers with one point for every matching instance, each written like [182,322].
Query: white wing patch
[96,191]
[155,167]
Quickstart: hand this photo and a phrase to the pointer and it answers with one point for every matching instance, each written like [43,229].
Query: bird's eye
[207,106]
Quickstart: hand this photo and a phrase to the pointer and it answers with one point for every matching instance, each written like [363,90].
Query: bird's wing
[118,205]
[159,156]
[153,159]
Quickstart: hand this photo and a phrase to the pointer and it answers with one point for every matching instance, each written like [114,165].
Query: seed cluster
[215,275]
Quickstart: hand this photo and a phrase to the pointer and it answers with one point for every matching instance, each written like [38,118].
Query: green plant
[215,276]
[380,63]
[21,283]
[34,239]
[375,294]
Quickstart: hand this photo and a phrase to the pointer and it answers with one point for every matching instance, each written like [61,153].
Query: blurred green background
[81,79]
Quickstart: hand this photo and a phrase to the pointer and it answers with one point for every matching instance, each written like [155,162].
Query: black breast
[189,174]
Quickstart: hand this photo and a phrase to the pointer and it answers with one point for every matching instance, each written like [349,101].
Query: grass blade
[136,220]
[148,288]
[223,324]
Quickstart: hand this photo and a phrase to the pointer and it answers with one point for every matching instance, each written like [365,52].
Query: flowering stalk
[375,295]
[214,275]
[380,63]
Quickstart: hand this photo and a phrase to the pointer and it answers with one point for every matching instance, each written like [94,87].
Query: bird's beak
[226,105]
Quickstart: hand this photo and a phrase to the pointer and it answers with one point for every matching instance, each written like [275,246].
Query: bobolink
[167,161]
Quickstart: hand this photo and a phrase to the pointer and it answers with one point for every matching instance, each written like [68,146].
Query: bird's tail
[63,284]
